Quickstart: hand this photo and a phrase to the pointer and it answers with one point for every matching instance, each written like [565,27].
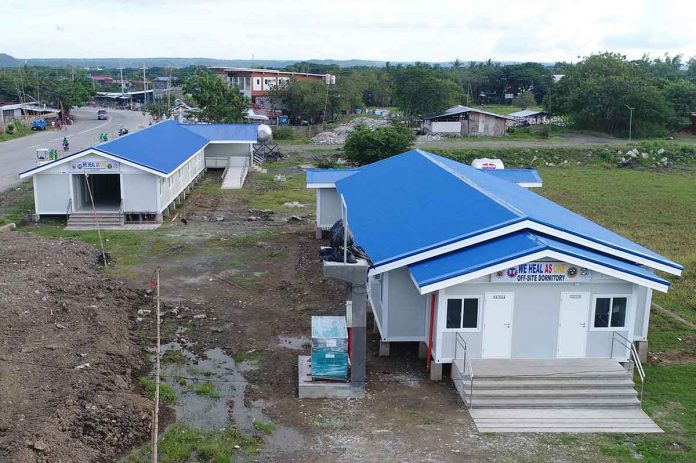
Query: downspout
[430,334]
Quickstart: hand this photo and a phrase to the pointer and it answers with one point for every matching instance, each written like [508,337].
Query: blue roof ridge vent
[473,184]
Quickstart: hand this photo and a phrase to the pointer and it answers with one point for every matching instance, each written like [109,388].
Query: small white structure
[138,177]
[528,117]
[467,122]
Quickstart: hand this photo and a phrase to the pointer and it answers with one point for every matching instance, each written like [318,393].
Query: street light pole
[630,122]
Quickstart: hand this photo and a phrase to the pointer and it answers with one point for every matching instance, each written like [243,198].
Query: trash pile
[339,134]
[429,137]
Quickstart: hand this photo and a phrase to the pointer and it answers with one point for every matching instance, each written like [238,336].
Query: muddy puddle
[294,343]
[210,392]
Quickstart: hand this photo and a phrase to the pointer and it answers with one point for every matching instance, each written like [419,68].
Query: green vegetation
[14,129]
[218,101]
[365,145]
[597,92]
[61,88]
[247,356]
[267,427]
[207,389]
[167,392]
[174,356]
[182,444]
[283,132]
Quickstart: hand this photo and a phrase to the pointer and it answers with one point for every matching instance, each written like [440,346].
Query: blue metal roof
[162,147]
[519,176]
[328,175]
[407,204]
[504,249]
[418,201]
[166,145]
[225,132]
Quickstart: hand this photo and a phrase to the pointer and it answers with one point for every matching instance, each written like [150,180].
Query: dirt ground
[67,355]
[250,288]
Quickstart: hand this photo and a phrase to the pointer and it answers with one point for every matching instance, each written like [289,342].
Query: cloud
[395,30]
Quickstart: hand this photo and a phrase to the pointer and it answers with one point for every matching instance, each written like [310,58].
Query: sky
[384,30]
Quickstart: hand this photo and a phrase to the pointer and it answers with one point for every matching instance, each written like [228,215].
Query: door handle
[583,324]
[507,325]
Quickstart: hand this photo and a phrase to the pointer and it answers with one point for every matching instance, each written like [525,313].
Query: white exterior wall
[403,314]
[446,127]
[328,207]
[171,187]
[536,315]
[217,154]
[140,193]
[51,193]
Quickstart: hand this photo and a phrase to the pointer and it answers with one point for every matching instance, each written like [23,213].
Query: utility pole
[155,414]
[144,88]
[122,85]
[630,122]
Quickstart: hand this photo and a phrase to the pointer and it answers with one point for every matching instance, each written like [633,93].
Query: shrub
[364,145]
[283,132]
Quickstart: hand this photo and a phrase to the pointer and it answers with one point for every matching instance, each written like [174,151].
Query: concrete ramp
[235,173]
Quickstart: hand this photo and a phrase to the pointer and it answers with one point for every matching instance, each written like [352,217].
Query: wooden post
[155,416]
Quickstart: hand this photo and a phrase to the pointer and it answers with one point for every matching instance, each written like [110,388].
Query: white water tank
[487,164]
[264,133]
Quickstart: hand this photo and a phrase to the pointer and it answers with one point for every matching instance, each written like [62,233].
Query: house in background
[466,122]
[528,117]
[256,84]
[524,304]
[141,176]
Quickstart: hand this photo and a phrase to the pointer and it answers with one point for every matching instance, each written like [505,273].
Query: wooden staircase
[87,220]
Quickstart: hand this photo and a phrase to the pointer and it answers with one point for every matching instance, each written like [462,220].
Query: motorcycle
[66,145]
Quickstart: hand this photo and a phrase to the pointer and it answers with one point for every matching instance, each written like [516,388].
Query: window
[462,314]
[610,312]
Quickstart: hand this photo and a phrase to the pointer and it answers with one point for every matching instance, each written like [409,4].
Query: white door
[497,325]
[572,324]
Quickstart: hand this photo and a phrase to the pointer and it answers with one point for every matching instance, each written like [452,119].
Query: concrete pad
[309,389]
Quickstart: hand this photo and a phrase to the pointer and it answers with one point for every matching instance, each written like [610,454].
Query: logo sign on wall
[542,272]
[94,166]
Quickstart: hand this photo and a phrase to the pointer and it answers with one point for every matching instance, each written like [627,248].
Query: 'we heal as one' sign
[542,272]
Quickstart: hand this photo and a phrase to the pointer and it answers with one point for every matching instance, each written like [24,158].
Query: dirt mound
[67,355]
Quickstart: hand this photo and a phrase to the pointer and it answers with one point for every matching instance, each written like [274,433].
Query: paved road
[20,154]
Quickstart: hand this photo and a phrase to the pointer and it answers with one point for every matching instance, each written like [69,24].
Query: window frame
[479,311]
[611,298]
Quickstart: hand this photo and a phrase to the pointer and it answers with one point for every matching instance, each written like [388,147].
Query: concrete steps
[88,221]
[603,420]
[559,395]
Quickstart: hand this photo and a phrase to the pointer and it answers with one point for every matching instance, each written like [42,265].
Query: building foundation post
[435,371]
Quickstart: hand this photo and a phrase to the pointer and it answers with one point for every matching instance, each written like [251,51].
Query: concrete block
[384,349]
[422,351]
[435,371]
[318,233]
[642,348]
[308,389]
[8,227]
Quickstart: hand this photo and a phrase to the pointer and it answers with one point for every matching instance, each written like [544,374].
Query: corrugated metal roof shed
[460,109]
[526,113]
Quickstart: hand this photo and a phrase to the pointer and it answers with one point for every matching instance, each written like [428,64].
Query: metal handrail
[624,341]
[68,209]
[460,341]
[120,213]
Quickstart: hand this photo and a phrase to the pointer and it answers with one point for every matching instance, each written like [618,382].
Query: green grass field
[657,210]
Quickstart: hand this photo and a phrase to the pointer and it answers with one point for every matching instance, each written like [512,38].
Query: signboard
[94,166]
[543,272]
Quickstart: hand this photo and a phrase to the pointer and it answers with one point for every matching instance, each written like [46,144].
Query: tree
[595,94]
[364,145]
[218,101]
[303,99]
[422,89]
[524,100]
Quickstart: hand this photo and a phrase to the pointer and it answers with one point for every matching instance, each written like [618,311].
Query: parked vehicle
[38,123]
[101,115]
